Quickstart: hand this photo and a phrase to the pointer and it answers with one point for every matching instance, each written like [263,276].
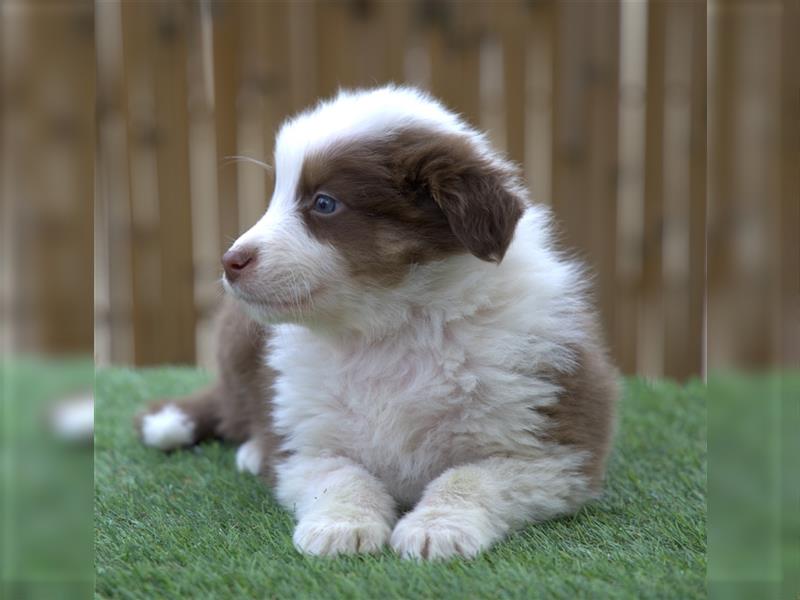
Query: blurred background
[665,135]
[603,105]
[561,87]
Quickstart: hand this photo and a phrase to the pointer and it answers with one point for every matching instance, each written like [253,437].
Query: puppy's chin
[271,310]
[270,315]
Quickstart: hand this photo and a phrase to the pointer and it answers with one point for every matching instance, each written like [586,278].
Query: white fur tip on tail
[167,429]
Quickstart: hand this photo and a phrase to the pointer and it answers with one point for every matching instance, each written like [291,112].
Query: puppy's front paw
[442,533]
[328,536]
[248,457]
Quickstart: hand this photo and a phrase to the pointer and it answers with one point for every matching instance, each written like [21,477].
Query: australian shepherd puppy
[404,356]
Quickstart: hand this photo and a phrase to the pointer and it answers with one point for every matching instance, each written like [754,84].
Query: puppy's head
[369,185]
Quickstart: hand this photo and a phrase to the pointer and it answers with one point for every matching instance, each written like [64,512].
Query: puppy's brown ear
[481,211]
[475,194]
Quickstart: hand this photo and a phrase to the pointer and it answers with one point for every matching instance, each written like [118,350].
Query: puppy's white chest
[407,408]
[394,407]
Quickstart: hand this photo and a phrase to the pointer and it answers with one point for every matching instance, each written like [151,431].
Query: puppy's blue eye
[325,204]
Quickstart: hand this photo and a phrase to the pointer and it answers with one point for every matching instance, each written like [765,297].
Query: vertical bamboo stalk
[515,23]
[789,313]
[395,22]
[370,50]
[585,139]
[453,43]
[539,100]
[720,140]
[352,50]
[226,91]
[302,53]
[177,314]
[142,135]
[465,61]
[334,70]
[603,164]
[433,32]
[570,121]
[698,202]
[277,100]
[252,179]
[204,167]
[630,202]
[113,282]
[9,293]
[53,81]
[679,39]
[745,147]
[651,311]
[79,159]
[21,143]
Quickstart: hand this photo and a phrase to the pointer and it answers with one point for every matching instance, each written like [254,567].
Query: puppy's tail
[174,423]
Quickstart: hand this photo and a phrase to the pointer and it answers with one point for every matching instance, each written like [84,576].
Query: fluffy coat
[420,367]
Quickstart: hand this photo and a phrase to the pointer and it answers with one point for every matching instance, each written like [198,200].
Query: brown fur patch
[412,197]
[238,407]
[583,417]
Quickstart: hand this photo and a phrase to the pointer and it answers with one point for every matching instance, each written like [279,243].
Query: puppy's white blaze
[289,259]
[167,429]
[271,227]
[248,457]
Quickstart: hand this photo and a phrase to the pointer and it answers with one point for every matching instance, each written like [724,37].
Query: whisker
[228,160]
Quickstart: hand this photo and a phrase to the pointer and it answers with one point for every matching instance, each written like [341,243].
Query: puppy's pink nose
[236,261]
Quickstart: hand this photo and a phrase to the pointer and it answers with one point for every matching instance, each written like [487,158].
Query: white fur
[468,508]
[341,508]
[73,419]
[412,394]
[167,429]
[299,269]
[449,381]
[248,457]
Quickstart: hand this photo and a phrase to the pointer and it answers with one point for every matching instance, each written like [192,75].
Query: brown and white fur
[422,347]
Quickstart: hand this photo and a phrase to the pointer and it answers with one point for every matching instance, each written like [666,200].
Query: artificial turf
[187,525]
[45,484]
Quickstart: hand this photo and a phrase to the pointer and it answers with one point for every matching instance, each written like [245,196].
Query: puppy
[403,340]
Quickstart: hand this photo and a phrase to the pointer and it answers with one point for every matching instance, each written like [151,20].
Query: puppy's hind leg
[180,422]
[237,409]
[249,456]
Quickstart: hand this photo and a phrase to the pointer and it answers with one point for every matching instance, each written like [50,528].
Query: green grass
[188,525]
[45,485]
